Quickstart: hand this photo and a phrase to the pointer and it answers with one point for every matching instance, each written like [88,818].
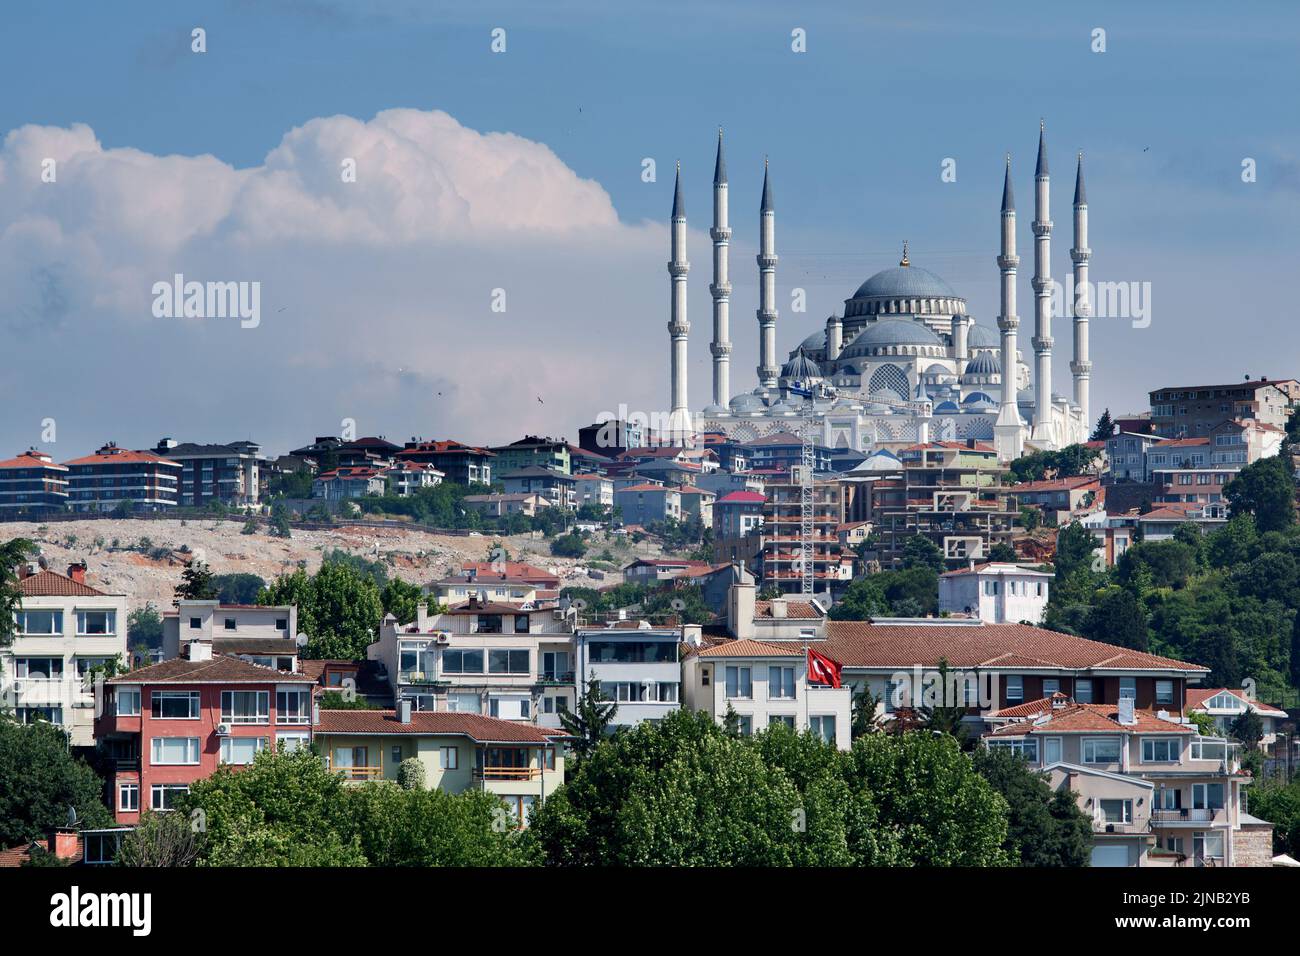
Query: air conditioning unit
[223,730]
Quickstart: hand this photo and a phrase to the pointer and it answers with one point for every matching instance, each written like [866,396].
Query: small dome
[982,337]
[948,407]
[890,332]
[814,343]
[714,410]
[978,398]
[980,367]
[801,367]
[746,402]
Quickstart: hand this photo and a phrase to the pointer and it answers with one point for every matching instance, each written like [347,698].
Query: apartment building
[66,633]
[697,504]
[1158,793]
[229,473]
[613,437]
[168,725]
[262,634]
[783,451]
[596,491]
[556,487]
[519,763]
[113,475]
[405,478]
[996,592]
[953,493]
[472,586]
[518,570]
[348,481]
[780,557]
[1059,499]
[1126,455]
[32,484]
[501,506]
[635,664]
[533,452]
[1189,411]
[654,571]
[644,503]
[462,464]
[737,522]
[501,660]
[1195,470]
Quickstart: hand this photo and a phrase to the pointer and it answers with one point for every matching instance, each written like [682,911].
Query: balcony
[556,677]
[1189,817]
[506,773]
[357,774]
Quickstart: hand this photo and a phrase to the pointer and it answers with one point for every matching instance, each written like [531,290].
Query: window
[1051,685]
[1101,749]
[282,624]
[1207,845]
[555,666]
[165,795]
[1015,689]
[1026,747]
[449,758]
[230,624]
[665,692]
[823,726]
[245,706]
[415,661]
[740,682]
[786,719]
[1128,688]
[128,797]
[293,706]
[1083,690]
[1168,799]
[633,652]
[128,701]
[1207,796]
[1117,811]
[395,754]
[196,623]
[780,683]
[508,661]
[1160,749]
[174,704]
[462,661]
[521,623]
[464,703]
[238,751]
[174,750]
[38,668]
[1051,750]
[40,622]
[96,622]
[287,743]
[745,724]
[1164,692]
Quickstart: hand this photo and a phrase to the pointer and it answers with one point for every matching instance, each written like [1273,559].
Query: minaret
[678,325]
[768,367]
[1044,426]
[834,341]
[721,287]
[1081,368]
[1008,431]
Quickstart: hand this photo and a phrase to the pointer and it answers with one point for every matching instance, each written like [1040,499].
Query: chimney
[740,610]
[199,650]
[26,569]
[778,608]
[404,710]
[422,616]
[65,844]
[77,571]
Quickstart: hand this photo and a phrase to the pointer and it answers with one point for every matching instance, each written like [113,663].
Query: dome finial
[904,261]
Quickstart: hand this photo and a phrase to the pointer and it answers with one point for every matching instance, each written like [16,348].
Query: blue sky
[856,129]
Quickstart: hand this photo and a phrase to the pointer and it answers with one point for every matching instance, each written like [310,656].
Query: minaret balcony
[720,349]
[720,290]
[766,262]
[1042,227]
[1008,323]
[1081,255]
[678,270]
[1043,343]
[720,233]
[1081,369]
[1008,262]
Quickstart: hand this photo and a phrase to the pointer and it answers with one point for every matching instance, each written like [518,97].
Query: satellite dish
[679,604]
[301,640]
[580,604]
[72,816]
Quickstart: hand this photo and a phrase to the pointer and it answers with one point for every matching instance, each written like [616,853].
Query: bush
[410,774]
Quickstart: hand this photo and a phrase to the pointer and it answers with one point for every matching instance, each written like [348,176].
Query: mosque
[906,362]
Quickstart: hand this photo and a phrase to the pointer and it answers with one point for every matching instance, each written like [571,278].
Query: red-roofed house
[113,475]
[67,631]
[32,483]
[1225,705]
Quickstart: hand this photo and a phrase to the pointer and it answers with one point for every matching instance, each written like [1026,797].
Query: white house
[636,665]
[66,630]
[1225,705]
[996,592]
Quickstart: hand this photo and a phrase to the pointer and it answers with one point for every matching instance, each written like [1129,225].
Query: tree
[161,839]
[402,600]
[1067,462]
[1045,827]
[40,780]
[1279,803]
[1248,727]
[910,593]
[339,608]
[1105,427]
[239,588]
[588,722]
[571,545]
[280,527]
[1170,563]
[144,628]
[196,583]
[1074,550]
[1003,552]
[12,553]
[920,552]
[1118,618]
[1265,489]
[865,705]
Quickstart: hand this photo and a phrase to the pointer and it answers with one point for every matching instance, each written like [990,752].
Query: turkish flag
[822,670]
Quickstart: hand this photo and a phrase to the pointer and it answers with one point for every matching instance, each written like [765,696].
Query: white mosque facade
[906,362]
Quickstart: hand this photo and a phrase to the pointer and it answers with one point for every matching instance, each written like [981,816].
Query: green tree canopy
[1265,489]
[339,608]
[1045,828]
[40,780]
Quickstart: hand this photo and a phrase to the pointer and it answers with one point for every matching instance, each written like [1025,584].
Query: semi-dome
[982,337]
[905,282]
[946,407]
[814,342]
[977,398]
[887,333]
[801,367]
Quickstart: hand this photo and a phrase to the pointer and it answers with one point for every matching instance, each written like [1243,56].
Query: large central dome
[905,282]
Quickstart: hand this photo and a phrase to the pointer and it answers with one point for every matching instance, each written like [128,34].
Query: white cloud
[375,294]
